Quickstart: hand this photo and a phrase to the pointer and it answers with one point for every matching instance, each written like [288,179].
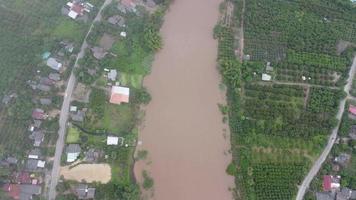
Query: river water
[183,129]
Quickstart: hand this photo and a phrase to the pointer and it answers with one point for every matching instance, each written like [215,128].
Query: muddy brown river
[183,129]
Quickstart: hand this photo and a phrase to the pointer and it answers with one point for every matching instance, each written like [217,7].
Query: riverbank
[183,128]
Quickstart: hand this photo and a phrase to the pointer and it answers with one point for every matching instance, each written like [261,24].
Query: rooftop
[119,95]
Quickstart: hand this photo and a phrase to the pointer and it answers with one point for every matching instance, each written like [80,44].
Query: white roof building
[41,164]
[53,64]
[266,77]
[73,109]
[72,14]
[112,140]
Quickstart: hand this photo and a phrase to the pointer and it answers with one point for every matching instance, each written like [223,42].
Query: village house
[352,112]
[352,132]
[34,153]
[269,68]
[113,140]
[46,55]
[68,46]
[266,77]
[73,152]
[54,64]
[119,95]
[112,75]
[75,10]
[46,81]
[34,165]
[78,116]
[54,76]
[331,183]
[43,88]
[92,155]
[45,101]
[22,177]
[11,160]
[38,114]
[99,52]
[73,108]
[82,191]
[35,125]
[37,137]
[344,194]
[342,159]
[117,20]
[28,191]
[325,196]
[7,98]
[127,6]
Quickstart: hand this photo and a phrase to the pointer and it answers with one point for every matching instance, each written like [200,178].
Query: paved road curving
[317,165]
[65,111]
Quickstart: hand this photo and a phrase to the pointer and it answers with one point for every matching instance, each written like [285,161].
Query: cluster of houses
[76,9]
[333,191]
[26,181]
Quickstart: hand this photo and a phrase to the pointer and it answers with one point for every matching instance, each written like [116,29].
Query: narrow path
[318,163]
[65,111]
[242,42]
[304,84]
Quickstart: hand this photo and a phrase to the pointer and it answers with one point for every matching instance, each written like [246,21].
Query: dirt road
[183,129]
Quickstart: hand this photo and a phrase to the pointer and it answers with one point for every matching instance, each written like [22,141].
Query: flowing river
[183,130]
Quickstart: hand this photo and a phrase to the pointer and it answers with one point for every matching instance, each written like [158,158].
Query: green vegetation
[29,28]
[147,181]
[70,30]
[278,128]
[72,135]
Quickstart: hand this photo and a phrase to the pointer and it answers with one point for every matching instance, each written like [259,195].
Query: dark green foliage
[97,102]
[141,96]
[120,191]
[276,181]
[323,100]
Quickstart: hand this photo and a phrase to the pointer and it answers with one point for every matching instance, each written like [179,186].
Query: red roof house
[38,114]
[352,109]
[23,178]
[128,3]
[119,95]
[79,9]
[13,190]
[331,182]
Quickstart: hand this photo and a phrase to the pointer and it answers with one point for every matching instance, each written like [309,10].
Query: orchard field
[279,127]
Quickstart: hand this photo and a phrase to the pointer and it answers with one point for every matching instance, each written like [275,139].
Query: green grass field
[132,80]
[73,135]
[69,30]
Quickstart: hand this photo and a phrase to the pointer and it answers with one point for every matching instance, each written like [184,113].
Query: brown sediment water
[183,129]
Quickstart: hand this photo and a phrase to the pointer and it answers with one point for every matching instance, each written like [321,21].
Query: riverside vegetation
[278,128]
